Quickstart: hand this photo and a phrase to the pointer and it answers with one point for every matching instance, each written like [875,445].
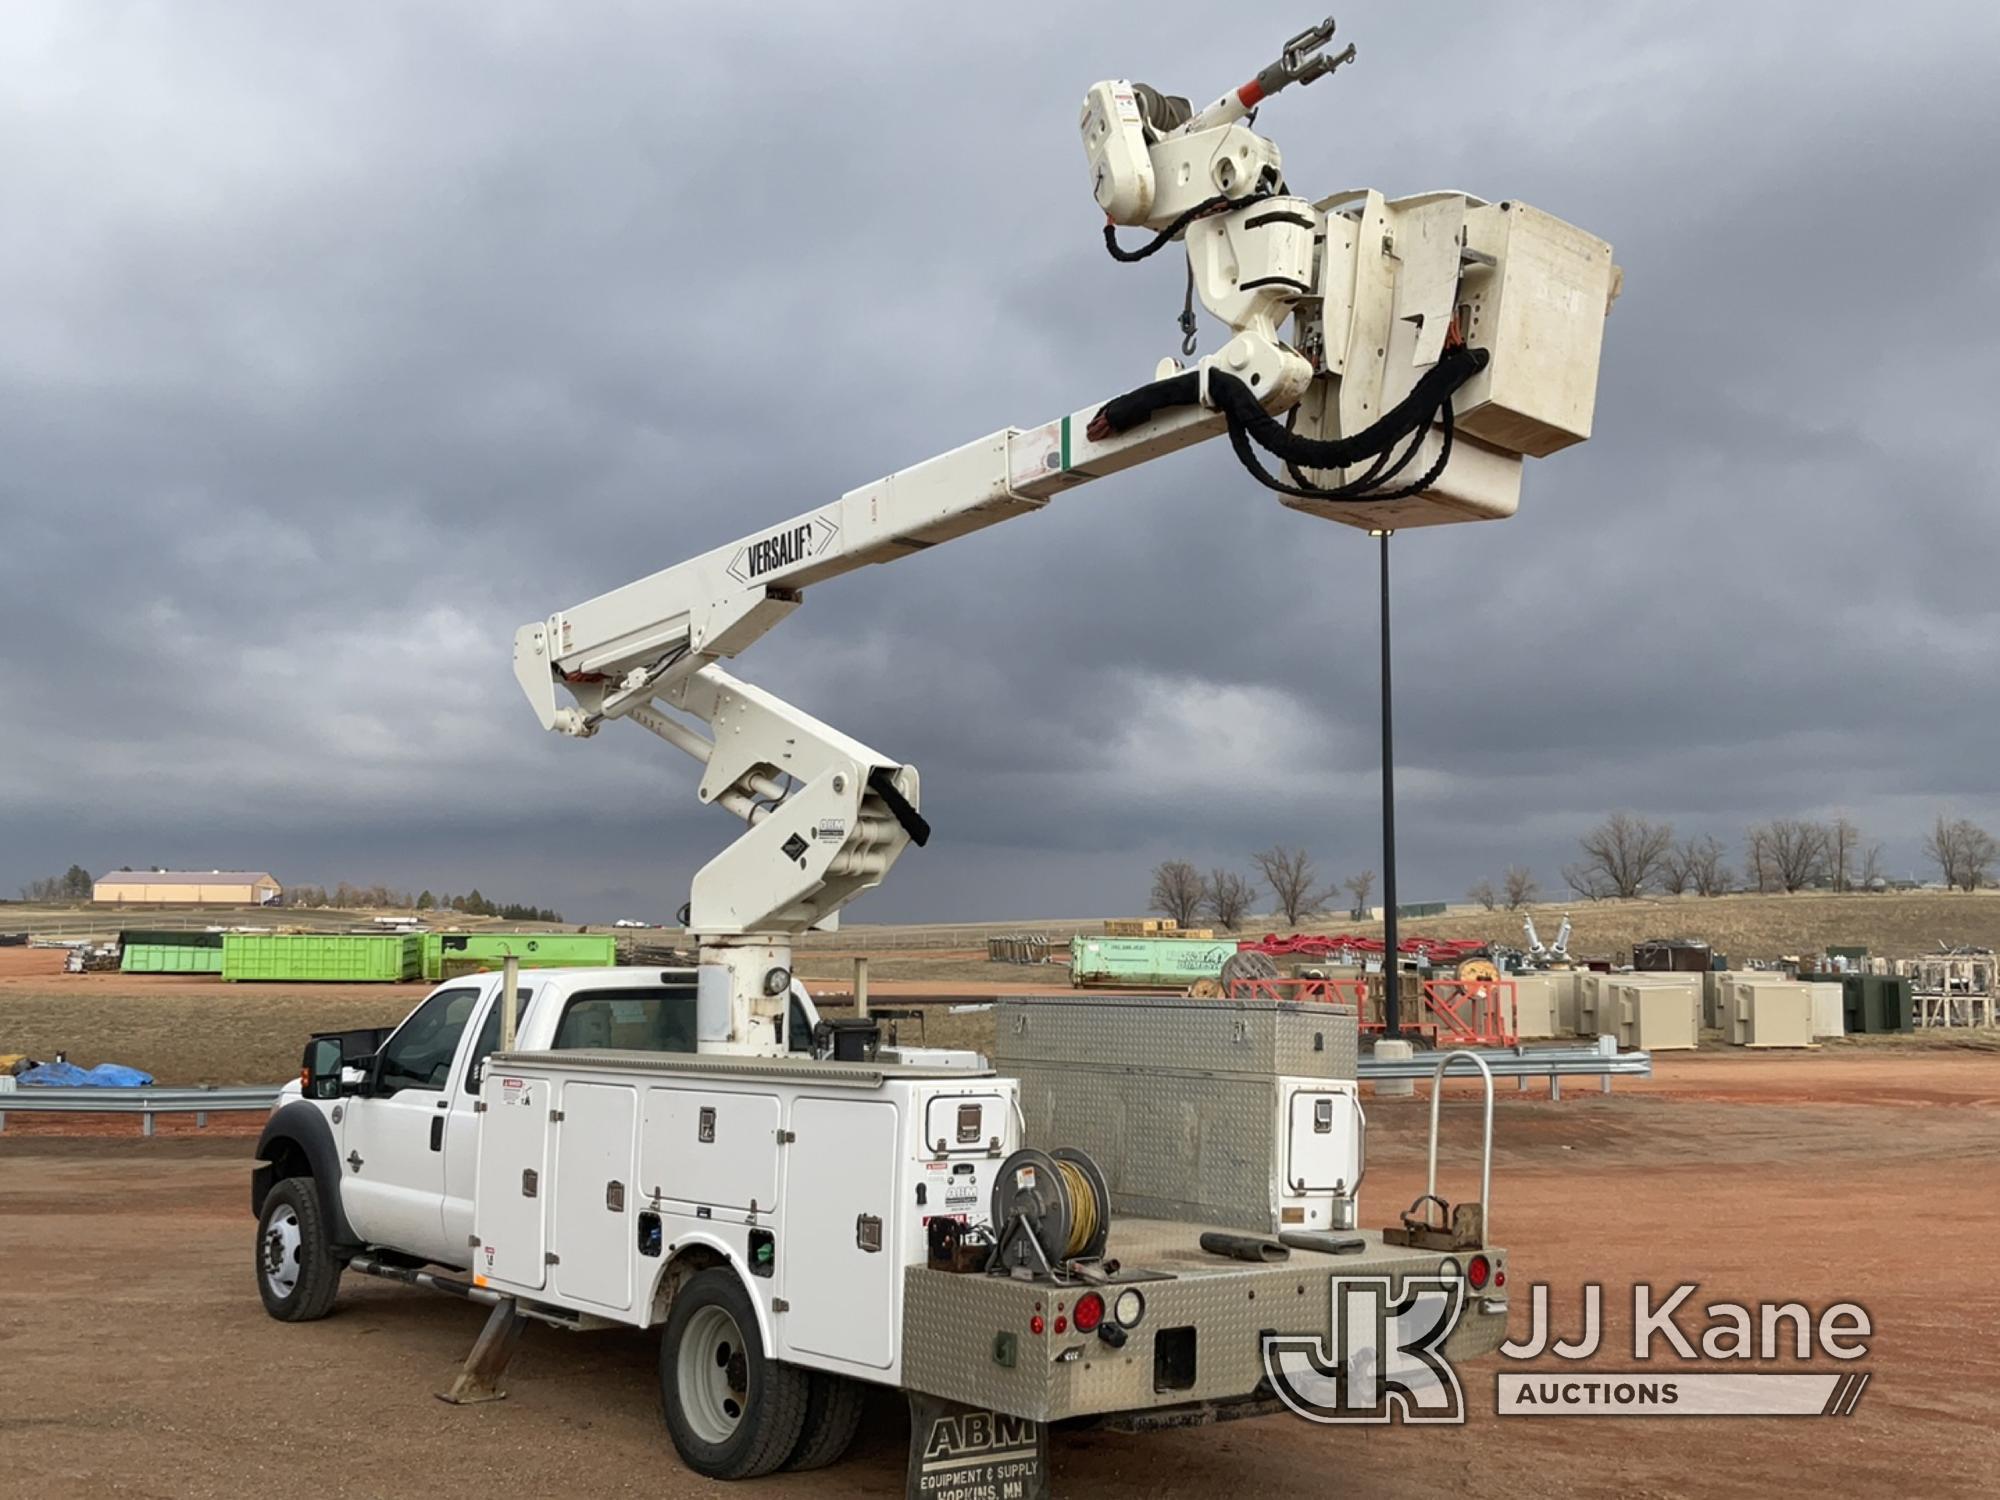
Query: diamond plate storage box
[1185,1104]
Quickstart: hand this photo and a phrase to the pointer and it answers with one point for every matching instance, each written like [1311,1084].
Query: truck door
[392,1139]
[461,1129]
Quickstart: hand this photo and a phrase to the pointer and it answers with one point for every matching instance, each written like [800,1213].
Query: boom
[1420,348]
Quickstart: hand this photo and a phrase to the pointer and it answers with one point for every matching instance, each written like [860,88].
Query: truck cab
[394,1146]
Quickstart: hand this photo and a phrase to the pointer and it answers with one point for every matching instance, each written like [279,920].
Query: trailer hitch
[1430,1223]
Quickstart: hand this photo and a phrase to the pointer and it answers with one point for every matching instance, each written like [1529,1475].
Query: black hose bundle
[1251,427]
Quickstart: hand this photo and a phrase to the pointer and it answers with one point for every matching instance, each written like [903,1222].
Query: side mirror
[320,1076]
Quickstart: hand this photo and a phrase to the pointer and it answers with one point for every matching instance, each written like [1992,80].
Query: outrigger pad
[962,1450]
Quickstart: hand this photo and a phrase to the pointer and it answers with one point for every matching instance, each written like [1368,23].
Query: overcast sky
[338,341]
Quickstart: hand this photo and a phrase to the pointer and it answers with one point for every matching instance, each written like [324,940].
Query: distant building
[187,888]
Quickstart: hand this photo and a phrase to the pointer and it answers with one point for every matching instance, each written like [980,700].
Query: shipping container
[327,958]
[449,954]
[1146,963]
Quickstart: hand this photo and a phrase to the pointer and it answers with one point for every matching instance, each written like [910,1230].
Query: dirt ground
[135,1360]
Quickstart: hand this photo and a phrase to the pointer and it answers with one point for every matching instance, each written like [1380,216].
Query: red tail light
[1479,1272]
[1089,1312]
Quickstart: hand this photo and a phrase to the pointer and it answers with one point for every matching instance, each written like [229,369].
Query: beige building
[187,888]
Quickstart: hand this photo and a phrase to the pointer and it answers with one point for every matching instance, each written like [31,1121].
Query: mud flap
[961,1450]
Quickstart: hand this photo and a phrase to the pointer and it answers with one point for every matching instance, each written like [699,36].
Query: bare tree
[1702,866]
[1964,852]
[1586,881]
[1519,886]
[1483,892]
[1675,877]
[1290,875]
[1623,854]
[1871,867]
[1358,888]
[1788,854]
[1227,897]
[1177,891]
[1843,844]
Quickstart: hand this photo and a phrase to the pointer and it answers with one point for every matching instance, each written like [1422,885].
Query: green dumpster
[323,958]
[447,954]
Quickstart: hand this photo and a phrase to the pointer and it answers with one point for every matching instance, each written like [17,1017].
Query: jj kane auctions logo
[1383,1359]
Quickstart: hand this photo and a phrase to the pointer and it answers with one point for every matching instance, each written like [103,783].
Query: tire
[297,1274]
[833,1416]
[732,1411]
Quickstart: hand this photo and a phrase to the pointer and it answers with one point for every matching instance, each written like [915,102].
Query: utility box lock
[531,1182]
[705,1130]
[868,1232]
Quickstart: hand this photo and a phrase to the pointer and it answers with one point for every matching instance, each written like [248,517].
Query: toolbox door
[513,1176]
[839,1264]
[1320,1145]
[594,1235]
[710,1147]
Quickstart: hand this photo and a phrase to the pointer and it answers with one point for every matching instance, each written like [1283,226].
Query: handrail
[1486,1146]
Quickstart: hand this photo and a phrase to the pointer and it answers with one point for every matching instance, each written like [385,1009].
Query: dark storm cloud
[339,344]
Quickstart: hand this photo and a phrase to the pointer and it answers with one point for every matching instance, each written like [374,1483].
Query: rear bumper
[1198,1347]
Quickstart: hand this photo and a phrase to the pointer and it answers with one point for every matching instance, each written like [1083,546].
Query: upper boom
[1419,348]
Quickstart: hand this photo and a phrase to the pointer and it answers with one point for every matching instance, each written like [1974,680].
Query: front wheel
[732,1410]
[297,1274]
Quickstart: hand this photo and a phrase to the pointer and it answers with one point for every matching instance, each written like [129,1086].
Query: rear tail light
[1089,1312]
[1478,1272]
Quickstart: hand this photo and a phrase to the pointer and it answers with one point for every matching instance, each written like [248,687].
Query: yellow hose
[1083,1221]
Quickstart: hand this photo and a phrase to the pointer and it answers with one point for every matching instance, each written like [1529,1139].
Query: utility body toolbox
[821,1182]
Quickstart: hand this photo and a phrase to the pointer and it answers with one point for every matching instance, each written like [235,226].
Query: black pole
[1392,974]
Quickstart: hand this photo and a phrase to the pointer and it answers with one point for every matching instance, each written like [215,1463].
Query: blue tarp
[70,1076]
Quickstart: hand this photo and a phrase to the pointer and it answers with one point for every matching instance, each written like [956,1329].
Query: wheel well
[279,1159]
[676,1273]
[288,1159]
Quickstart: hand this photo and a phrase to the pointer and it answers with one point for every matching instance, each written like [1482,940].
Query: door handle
[437,1132]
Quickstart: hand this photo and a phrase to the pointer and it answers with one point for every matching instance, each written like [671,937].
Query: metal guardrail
[1601,1061]
[146,1103]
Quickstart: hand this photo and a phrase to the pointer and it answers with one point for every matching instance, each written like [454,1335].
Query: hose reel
[1049,1208]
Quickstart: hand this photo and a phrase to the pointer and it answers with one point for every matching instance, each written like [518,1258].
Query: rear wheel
[297,1274]
[833,1416]
[732,1410]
